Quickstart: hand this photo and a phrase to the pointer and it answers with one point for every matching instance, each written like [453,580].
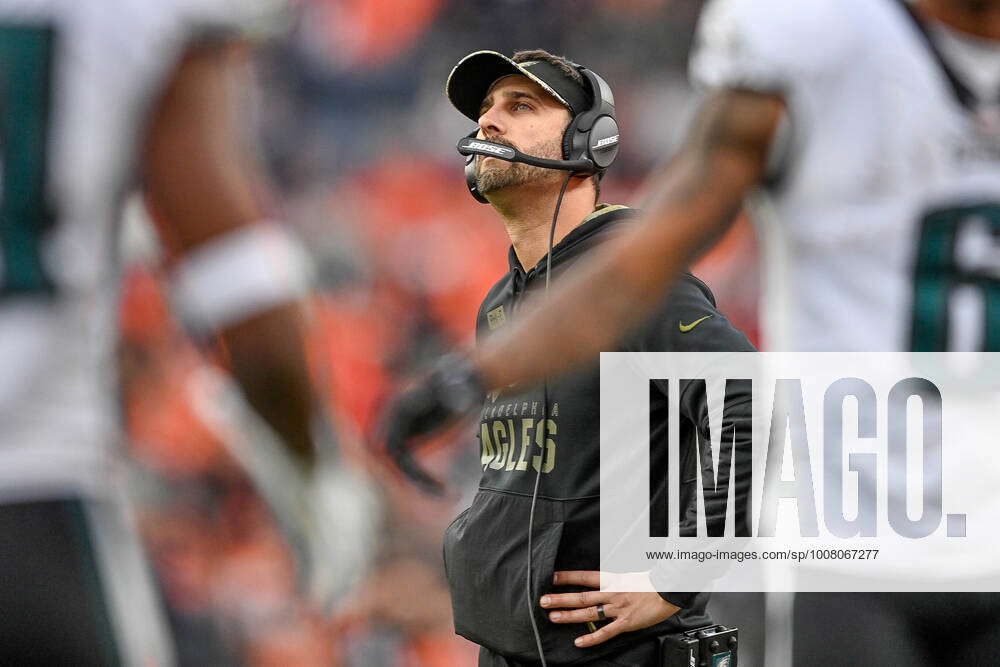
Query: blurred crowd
[360,139]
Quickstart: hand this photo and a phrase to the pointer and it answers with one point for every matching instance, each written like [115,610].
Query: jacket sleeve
[689,321]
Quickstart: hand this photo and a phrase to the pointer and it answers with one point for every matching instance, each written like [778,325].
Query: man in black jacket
[552,430]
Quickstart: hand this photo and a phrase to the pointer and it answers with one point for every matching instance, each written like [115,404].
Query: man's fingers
[589,578]
[582,615]
[602,635]
[585,599]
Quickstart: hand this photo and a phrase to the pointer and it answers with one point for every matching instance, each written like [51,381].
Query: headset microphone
[471,146]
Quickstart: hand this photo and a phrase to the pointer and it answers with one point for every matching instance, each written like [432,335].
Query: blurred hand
[333,530]
[327,512]
[630,611]
[448,393]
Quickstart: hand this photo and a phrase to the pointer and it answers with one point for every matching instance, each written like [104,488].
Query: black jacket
[485,548]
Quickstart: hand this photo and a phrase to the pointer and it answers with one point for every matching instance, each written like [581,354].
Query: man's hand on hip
[630,611]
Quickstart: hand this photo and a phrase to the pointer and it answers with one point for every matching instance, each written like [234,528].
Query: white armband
[238,274]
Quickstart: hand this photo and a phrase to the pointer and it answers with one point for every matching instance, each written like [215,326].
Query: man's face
[519,113]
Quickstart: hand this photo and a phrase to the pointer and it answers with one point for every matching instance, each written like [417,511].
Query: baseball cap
[472,77]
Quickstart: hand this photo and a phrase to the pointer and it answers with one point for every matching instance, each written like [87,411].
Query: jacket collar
[602,216]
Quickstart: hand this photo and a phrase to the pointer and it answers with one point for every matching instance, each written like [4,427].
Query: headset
[589,145]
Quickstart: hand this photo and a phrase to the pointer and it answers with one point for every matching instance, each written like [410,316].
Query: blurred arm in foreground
[243,277]
[697,196]
[200,177]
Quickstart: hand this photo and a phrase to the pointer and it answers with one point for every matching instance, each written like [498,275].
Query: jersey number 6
[959,248]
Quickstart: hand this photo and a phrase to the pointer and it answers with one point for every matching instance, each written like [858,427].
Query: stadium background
[350,113]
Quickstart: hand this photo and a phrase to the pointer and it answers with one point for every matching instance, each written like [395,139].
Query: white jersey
[79,79]
[883,233]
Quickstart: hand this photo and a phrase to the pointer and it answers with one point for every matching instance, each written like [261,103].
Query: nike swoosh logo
[687,327]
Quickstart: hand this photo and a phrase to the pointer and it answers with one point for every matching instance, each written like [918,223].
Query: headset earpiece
[567,142]
[593,134]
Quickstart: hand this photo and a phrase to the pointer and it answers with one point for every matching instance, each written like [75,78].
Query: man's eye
[522,106]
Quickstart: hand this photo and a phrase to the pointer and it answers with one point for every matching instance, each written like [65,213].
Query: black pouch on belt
[710,646]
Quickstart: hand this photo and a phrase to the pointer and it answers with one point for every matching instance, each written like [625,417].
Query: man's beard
[499,174]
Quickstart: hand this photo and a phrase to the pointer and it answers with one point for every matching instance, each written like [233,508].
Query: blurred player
[870,129]
[96,98]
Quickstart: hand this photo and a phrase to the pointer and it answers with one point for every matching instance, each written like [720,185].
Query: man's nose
[490,123]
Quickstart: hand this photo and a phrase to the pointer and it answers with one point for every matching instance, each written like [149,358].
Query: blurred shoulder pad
[770,44]
[252,20]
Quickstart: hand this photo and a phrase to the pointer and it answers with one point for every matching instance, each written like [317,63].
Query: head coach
[546,133]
